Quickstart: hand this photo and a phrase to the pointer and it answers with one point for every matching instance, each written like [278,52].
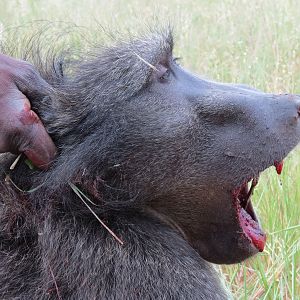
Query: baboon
[150,184]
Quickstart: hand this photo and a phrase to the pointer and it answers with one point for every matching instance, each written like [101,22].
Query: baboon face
[191,147]
[174,143]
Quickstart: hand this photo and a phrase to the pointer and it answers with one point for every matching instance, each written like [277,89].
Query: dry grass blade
[86,197]
[12,167]
[78,193]
[9,180]
[144,61]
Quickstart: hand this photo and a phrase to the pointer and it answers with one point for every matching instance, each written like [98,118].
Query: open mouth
[246,214]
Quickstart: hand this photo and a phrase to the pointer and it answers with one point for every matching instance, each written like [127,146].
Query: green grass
[254,42]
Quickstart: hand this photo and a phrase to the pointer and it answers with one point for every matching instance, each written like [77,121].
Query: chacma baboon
[161,157]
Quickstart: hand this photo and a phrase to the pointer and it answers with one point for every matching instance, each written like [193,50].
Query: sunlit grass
[254,42]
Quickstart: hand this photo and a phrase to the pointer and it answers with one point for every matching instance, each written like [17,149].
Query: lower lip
[252,230]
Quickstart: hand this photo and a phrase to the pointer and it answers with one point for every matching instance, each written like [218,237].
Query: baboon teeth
[243,195]
[246,214]
[254,181]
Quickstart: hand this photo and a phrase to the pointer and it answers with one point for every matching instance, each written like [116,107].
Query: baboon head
[143,133]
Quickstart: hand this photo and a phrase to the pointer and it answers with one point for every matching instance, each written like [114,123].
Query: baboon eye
[176,60]
[166,75]
[163,73]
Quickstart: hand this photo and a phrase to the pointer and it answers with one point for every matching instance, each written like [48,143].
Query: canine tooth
[278,165]
[254,181]
[253,184]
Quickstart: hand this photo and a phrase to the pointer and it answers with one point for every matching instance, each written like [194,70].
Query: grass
[254,42]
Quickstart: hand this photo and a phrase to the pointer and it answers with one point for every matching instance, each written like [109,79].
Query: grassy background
[254,42]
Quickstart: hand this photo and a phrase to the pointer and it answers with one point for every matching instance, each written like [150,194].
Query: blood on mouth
[279,166]
[245,212]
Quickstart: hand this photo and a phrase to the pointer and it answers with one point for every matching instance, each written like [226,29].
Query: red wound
[278,166]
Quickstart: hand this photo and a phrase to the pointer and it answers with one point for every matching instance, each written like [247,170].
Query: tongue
[252,230]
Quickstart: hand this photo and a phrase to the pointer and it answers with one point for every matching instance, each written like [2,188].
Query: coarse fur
[150,145]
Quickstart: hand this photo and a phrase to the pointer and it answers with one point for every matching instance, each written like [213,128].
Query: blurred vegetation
[254,42]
